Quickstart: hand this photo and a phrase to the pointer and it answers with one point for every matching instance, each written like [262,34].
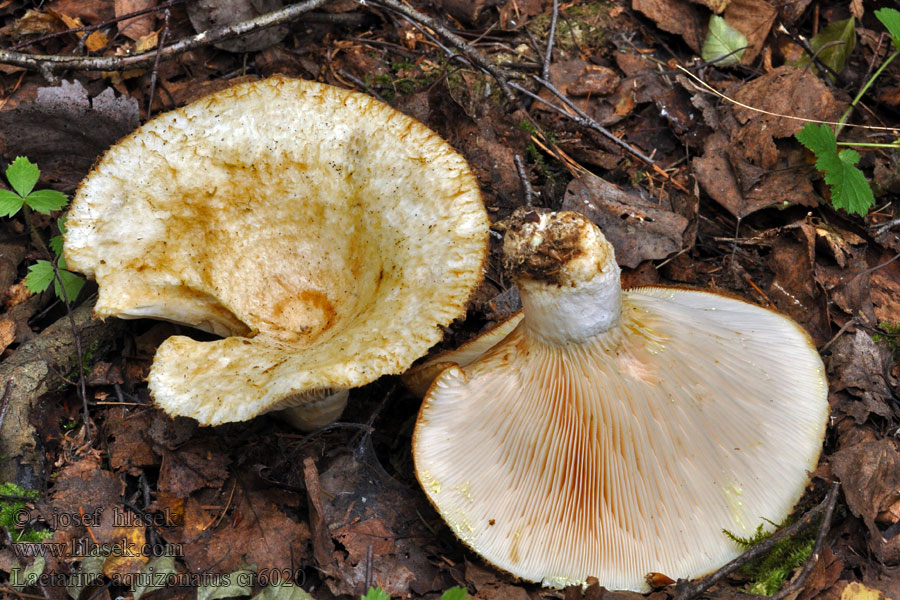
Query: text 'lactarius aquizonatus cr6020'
[613,434]
[329,235]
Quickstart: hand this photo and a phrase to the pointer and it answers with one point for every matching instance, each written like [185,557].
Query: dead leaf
[870,476]
[7,332]
[639,229]
[209,14]
[787,91]
[128,543]
[794,290]
[197,464]
[96,41]
[753,18]
[125,432]
[859,365]
[676,16]
[257,532]
[885,289]
[137,27]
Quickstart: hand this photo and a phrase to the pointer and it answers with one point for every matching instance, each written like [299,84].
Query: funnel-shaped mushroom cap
[329,233]
[619,438]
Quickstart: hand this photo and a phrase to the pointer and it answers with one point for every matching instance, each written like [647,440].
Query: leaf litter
[741,210]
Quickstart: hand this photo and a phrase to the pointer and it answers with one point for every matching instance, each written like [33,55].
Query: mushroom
[419,378]
[613,434]
[327,235]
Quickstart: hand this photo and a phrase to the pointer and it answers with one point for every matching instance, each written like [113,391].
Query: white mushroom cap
[329,234]
[617,439]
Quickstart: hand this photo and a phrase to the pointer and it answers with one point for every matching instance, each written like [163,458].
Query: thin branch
[797,584]
[155,74]
[523,176]
[455,41]
[548,57]
[48,63]
[884,228]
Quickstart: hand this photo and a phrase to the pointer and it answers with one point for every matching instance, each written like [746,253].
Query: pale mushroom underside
[628,454]
[332,232]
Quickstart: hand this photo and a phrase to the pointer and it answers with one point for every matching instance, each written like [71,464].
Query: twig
[455,41]
[548,57]
[155,73]
[884,228]
[523,177]
[797,584]
[687,590]
[76,334]
[48,63]
[5,400]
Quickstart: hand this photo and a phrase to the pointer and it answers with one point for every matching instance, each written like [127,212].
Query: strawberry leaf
[849,189]
[22,175]
[44,201]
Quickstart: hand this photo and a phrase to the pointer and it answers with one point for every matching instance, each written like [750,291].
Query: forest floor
[730,201]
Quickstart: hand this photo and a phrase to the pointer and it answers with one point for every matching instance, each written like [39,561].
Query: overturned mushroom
[327,234]
[613,434]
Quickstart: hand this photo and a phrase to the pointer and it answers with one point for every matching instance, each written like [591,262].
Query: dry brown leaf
[128,545]
[870,476]
[753,18]
[638,228]
[676,16]
[7,333]
[137,27]
[96,41]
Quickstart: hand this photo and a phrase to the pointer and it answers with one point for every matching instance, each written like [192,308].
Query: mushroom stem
[320,408]
[566,273]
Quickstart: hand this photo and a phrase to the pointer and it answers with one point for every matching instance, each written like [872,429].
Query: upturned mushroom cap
[619,436]
[328,234]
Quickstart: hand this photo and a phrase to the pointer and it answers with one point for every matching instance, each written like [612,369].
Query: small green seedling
[849,189]
[22,175]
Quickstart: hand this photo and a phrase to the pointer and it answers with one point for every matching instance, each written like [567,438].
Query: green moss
[892,337]
[580,26]
[769,572]
[13,511]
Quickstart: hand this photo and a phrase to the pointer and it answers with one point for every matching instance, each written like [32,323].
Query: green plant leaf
[236,583]
[71,282]
[835,56]
[10,203]
[456,593]
[21,578]
[723,40]
[89,571]
[849,189]
[40,276]
[375,594]
[56,244]
[818,138]
[44,201]
[890,18]
[154,575]
[22,175]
